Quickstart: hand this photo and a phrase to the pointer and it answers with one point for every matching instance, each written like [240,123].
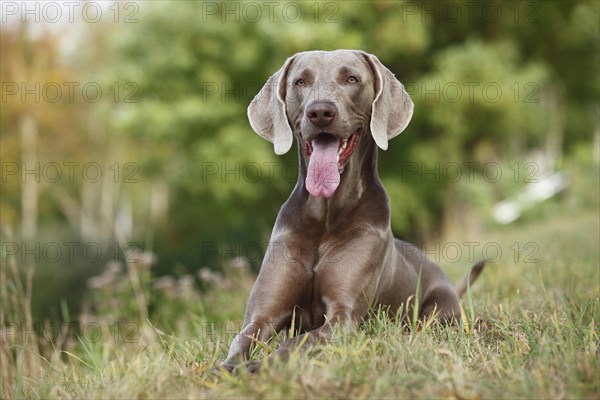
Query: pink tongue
[323,175]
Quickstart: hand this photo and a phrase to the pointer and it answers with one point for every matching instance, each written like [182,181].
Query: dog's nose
[321,113]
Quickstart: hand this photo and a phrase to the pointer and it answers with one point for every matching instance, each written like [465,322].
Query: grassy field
[530,330]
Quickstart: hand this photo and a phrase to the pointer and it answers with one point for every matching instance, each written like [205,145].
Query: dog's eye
[299,82]
[352,79]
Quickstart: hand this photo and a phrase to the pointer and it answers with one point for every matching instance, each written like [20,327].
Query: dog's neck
[359,185]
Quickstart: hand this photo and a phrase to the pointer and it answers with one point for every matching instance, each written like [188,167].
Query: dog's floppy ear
[267,113]
[392,108]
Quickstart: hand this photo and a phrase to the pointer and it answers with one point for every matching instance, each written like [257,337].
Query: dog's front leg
[346,278]
[340,318]
[284,278]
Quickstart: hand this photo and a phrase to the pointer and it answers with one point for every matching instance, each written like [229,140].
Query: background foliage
[185,73]
[126,276]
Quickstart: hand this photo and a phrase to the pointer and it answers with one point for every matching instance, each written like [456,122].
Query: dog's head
[328,100]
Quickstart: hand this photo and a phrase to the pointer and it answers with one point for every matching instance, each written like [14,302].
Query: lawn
[529,330]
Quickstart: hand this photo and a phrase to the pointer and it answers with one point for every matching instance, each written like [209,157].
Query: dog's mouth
[327,156]
[345,147]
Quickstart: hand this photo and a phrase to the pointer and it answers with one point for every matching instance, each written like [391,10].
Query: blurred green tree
[492,82]
[480,83]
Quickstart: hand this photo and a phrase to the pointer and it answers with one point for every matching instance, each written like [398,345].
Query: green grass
[530,330]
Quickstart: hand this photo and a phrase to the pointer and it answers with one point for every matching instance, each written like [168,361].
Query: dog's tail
[469,278]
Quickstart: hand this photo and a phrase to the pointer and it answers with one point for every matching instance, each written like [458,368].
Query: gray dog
[332,254]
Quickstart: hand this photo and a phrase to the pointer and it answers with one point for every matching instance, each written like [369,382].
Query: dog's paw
[226,367]
[252,366]
[239,369]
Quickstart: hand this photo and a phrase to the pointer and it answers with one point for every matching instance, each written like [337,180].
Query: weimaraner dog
[332,254]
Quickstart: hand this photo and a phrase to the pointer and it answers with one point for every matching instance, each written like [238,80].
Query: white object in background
[547,186]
